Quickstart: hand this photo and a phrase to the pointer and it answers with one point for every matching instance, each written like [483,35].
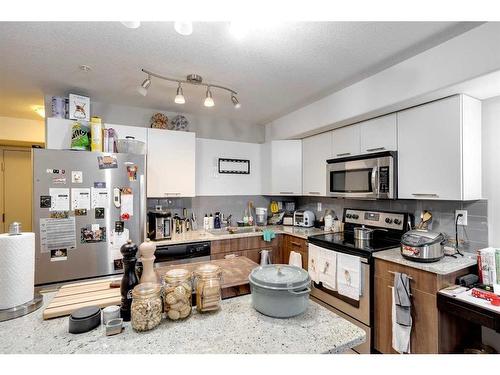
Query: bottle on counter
[177,293]
[217,220]
[129,279]
[210,222]
[205,222]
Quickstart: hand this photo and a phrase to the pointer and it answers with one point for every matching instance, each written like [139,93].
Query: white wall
[491,166]
[210,182]
[205,126]
[19,130]
[424,77]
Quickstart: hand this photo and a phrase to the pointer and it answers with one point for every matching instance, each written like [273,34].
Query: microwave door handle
[375,180]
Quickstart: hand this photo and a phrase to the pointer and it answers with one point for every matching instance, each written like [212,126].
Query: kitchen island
[235,329]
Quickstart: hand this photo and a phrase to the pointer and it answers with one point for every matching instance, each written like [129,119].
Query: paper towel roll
[17,269]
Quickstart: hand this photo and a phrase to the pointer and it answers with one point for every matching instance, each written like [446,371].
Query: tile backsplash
[475,233]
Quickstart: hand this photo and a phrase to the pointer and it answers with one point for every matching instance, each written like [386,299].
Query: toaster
[303,218]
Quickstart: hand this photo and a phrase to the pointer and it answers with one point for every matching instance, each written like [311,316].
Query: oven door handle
[375,180]
[301,292]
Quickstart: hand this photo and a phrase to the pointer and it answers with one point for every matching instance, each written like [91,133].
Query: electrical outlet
[463,219]
[158,207]
[319,207]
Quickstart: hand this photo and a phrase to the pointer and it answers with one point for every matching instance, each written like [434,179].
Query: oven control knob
[397,221]
[355,217]
[388,220]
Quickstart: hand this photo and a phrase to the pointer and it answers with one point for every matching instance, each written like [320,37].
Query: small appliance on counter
[288,219]
[303,218]
[421,245]
[159,225]
[261,216]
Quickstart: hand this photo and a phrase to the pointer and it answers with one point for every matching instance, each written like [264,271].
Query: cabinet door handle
[344,154]
[295,243]
[425,195]
[315,192]
[286,192]
[169,194]
[375,149]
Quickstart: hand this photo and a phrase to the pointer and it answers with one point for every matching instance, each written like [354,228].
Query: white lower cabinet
[282,167]
[316,150]
[439,150]
[171,164]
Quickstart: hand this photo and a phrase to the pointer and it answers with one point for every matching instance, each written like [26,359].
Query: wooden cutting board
[74,296]
[71,297]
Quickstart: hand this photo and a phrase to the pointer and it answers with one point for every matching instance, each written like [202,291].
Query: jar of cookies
[177,291]
[207,280]
[146,306]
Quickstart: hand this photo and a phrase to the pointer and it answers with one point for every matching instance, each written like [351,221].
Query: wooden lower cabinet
[430,334]
[299,245]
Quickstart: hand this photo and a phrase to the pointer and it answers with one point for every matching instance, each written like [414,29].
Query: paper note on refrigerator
[100,197]
[57,234]
[80,198]
[59,199]
[116,241]
[127,205]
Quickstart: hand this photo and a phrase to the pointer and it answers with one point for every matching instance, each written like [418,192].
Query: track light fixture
[179,98]
[209,101]
[192,79]
[143,88]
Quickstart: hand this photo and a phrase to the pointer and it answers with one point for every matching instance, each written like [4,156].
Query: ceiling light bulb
[143,88]
[209,101]
[179,98]
[184,27]
[235,101]
[131,24]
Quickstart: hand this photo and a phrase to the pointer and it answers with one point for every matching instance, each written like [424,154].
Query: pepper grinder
[147,251]
[129,280]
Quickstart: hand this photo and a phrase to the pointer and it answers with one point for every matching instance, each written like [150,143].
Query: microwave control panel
[383,186]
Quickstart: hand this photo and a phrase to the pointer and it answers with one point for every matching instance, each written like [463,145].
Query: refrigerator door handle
[142,208]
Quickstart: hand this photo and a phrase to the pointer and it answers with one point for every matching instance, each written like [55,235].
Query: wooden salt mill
[147,253]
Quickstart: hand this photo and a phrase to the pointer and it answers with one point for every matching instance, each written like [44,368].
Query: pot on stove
[365,234]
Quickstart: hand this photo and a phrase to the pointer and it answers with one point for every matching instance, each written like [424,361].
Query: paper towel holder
[25,308]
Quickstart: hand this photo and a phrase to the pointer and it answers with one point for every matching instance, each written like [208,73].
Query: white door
[429,153]
[379,134]
[315,151]
[171,163]
[346,141]
[286,159]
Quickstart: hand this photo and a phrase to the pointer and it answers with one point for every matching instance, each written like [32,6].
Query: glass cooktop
[346,243]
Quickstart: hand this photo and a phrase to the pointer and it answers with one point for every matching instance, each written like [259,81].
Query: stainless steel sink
[234,230]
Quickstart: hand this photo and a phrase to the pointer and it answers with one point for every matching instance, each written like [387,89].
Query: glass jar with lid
[207,280]
[146,306]
[177,293]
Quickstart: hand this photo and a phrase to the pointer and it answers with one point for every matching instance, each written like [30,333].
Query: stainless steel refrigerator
[85,206]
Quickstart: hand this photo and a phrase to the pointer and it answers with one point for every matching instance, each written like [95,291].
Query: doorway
[16,185]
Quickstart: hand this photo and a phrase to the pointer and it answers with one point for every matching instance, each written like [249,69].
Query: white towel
[313,264]
[295,259]
[349,276]
[328,269]
[400,333]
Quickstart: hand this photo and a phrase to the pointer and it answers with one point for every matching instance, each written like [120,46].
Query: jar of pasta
[146,309]
[177,292]
[207,280]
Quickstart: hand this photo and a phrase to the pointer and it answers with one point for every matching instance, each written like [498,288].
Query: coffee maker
[159,225]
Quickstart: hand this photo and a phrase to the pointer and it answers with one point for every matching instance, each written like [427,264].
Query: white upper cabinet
[171,163]
[315,151]
[346,141]
[379,134]
[282,167]
[439,150]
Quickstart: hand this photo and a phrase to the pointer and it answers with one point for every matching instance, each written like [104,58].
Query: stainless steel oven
[371,176]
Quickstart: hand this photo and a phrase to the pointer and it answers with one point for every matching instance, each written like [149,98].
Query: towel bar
[390,286]
[411,278]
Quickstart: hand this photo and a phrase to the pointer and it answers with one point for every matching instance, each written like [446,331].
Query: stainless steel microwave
[370,176]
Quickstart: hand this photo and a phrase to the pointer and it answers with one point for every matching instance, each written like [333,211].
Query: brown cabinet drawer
[420,280]
[226,246]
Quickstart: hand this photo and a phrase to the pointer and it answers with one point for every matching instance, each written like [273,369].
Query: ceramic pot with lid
[280,290]
[421,245]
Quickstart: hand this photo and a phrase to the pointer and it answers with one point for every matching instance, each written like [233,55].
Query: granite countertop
[445,266]
[201,235]
[236,328]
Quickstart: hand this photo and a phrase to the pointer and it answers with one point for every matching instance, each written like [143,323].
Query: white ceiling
[275,69]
